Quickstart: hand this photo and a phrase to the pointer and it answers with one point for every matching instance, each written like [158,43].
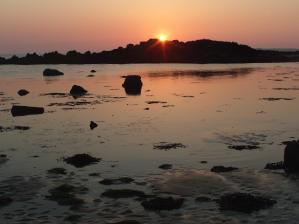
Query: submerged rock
[168,146]
[275,166]
[5,201]
[14,128]
[122,180]
[127,222]
[52,72]
[81,160]
[77,91]
[23,92]
[222,169]
[93,71]
[165,166]
[133,84]
[58,170]
[243,147]
[93,125]
[25,110]
[66,195]
[291,156]
[160,203]
[124,193]
[243,202]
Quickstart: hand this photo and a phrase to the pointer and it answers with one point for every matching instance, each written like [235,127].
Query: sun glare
[162,37]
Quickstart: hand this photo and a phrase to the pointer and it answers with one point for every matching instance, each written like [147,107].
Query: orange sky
[35,25]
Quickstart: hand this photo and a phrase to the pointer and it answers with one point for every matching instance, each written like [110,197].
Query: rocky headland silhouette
[155,51]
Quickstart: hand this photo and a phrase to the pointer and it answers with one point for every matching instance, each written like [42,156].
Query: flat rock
[165,166]
[243,202]
[160,203]
[25,110]
[222,169]
[122,180]
[122,193]
[60,171]
[81,160]
[168,146]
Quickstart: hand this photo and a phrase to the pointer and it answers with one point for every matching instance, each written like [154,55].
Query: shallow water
[208,108]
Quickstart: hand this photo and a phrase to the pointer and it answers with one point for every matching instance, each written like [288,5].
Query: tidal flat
[173,152]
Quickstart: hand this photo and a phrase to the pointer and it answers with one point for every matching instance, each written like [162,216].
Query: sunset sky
[47,25]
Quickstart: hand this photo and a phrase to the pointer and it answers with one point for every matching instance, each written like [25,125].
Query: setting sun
[162,37]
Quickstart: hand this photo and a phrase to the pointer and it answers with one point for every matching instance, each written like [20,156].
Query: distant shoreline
[154,51]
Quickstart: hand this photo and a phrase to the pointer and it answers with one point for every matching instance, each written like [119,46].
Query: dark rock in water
[93,71]
[81,160]
[5,201]
[25,110]
[275,166]
[291,157]
[73,218]
[167,146]
[244,147]
[52,72]
[90,76]
[125,193]
[58,170]
[23,92]
[133,85]
[122,180]
[66,195]
[77,91]
[203,199]
[127,222]
[165,166]
[222,169]
[243,202]
[14,128]
[160,203]
[93,125]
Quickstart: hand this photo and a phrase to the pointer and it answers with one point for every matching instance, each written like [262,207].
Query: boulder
[23,92]
[25,110]
[291,157]
[52,72]
[93,125]
[77,91]
[160,203]
[133,85]
[243,202]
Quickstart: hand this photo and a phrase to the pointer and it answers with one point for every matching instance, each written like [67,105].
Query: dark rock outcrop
[123,193]
[81,160]
[23,92]
[122,180]
[25,110]
[93,125]
[78,91]
[243,202]
[160,203]
[275,166]
[133,85]
[52,72]
[222,169]
[291,157]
